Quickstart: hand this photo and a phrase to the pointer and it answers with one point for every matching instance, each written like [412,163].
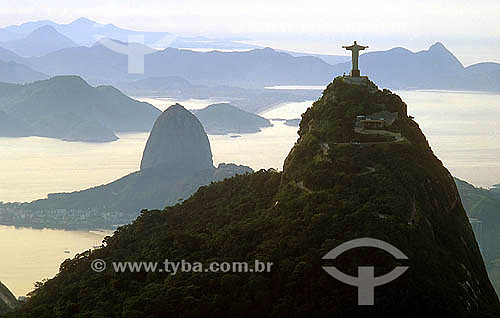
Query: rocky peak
[177,141]
[385,182]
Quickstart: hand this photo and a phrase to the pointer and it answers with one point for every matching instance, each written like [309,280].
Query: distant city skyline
[468,29]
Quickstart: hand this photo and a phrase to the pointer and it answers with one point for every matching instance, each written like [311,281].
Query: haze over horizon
[467,29]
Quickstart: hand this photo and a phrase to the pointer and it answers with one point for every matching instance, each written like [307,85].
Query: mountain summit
[41,41]
[177,140]
[399,67]
[360,169]
[177,161]
[385,182]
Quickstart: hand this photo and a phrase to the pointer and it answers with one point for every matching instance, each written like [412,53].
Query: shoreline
[104,228]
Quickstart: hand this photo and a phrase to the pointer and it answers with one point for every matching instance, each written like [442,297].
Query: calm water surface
[30,255]
[463,129]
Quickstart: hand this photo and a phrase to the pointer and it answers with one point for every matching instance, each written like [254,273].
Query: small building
[373,123]
[376,121]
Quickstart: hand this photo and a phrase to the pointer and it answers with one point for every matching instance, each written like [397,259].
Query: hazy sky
[468,28]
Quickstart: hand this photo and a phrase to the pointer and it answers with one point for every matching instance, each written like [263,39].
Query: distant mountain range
[39,42]
[71,49]
[249,99]
[86,32]
[13,72]
[328,58]
[255,68]
[9,56]
[66,107]
[435,68]
[401,68]
[398,68]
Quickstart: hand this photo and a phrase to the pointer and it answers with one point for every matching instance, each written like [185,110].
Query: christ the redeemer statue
[355,48]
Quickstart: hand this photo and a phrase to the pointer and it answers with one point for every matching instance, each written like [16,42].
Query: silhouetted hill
[26,28]
[484,206]
[119,202]
[221,119]
[11,127]
[97,64]
[255,68]
[252,100]
[82,31]
[86,32]
[400,68]
[177,161]
[6,35]
[66,107]
[9,56]
[160,86]
[397,68]
[479,77]
[339,183]
[12,72]
[482,68]
[177,142]
[328,58]
[435,68]
[39,42]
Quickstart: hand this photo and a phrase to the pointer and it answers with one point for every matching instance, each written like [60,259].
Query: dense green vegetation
[331,191]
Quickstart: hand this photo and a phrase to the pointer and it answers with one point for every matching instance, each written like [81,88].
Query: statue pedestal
[356,80]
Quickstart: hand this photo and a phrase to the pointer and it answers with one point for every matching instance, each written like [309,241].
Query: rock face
[7,300]
[177,140]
